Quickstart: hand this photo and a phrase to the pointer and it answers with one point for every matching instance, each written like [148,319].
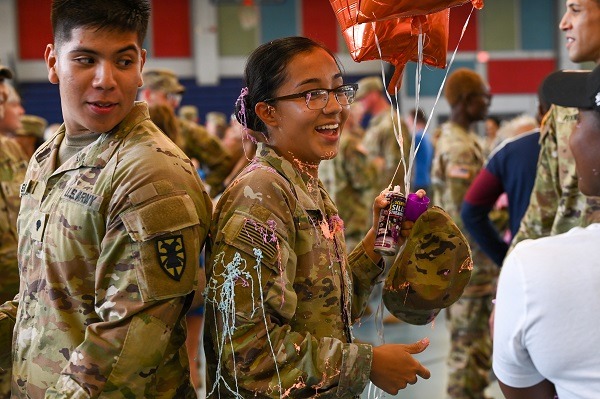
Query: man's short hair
[461,83]
[419,113]
[120,15]
[5,73]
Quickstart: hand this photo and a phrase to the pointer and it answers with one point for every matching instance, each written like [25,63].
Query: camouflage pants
[5,383]
[470,359]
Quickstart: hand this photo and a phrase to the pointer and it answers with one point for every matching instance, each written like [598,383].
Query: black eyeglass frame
[304,94]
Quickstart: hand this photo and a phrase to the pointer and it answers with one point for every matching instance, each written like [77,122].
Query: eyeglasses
[175,97]
[318,98]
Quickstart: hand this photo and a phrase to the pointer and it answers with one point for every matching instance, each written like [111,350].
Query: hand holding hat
[431,272]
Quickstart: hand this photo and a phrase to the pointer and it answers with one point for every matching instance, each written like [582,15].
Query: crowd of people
[136,239]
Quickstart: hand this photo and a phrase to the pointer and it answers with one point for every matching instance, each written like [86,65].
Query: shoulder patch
[171,256]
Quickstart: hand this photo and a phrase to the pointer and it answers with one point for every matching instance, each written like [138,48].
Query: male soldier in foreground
[13,164]
[161,86]
[113,218]
[556,204]
[457,160]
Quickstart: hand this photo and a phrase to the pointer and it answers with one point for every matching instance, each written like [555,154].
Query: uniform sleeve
[479,201]
[145,278]
[365,275]
[212,155]
[8,316]
[453,170]
[251,301]
[511,361]
[538,219]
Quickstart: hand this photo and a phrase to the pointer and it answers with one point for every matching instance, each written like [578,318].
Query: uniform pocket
[165,232]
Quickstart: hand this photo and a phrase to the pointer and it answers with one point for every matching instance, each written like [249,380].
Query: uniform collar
[96,154]
[310,192]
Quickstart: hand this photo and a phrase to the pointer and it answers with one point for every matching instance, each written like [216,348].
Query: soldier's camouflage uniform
[280,286]
[198,143]
[108,255]
[457,160]
[380,141]
[556,204]
[355,180]
[13,165]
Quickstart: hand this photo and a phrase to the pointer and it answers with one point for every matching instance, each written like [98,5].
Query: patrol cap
[432,271]
[162,79]
[578,89]
[189,112]
[367,85]
[32,125]
[5,72]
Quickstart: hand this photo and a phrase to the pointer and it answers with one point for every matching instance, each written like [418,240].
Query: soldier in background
[380,137]
[355,179]
[216,124]
[457,160]
[189,113]
[161,86]
[112,222]
[31,135]
[13,165]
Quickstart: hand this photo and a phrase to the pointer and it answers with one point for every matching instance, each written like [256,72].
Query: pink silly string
[242,105]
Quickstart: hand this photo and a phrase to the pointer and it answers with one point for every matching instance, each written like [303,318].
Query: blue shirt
[511,168]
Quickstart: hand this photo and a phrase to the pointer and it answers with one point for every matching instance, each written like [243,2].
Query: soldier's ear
[267,114]
[50,58]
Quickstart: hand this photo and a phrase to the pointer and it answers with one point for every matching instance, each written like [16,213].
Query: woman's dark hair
[265,72]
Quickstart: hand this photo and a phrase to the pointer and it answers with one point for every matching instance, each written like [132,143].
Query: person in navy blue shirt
[511,168]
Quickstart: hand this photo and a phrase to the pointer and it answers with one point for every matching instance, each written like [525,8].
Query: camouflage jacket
[556,204]
[380,142]
[109,246]
[281,292]
[355,180]
[457,160]
[198,143]
[13,164]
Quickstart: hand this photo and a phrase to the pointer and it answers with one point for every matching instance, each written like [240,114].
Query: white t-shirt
[547,323]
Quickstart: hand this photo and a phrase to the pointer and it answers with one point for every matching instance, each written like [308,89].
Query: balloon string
[414,146]
[395,123]
[448,69]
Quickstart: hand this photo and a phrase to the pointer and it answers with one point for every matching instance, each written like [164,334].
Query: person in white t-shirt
[546,340]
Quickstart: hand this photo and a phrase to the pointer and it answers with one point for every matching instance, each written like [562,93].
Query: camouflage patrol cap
[432,271]
[189,112]
[162,79]
[32,125]
[5,72]
[367,85]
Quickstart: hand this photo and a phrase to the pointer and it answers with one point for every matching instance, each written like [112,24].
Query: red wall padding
[518,76]
[35,28]
[458,17]
[171,32]
[319,23]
